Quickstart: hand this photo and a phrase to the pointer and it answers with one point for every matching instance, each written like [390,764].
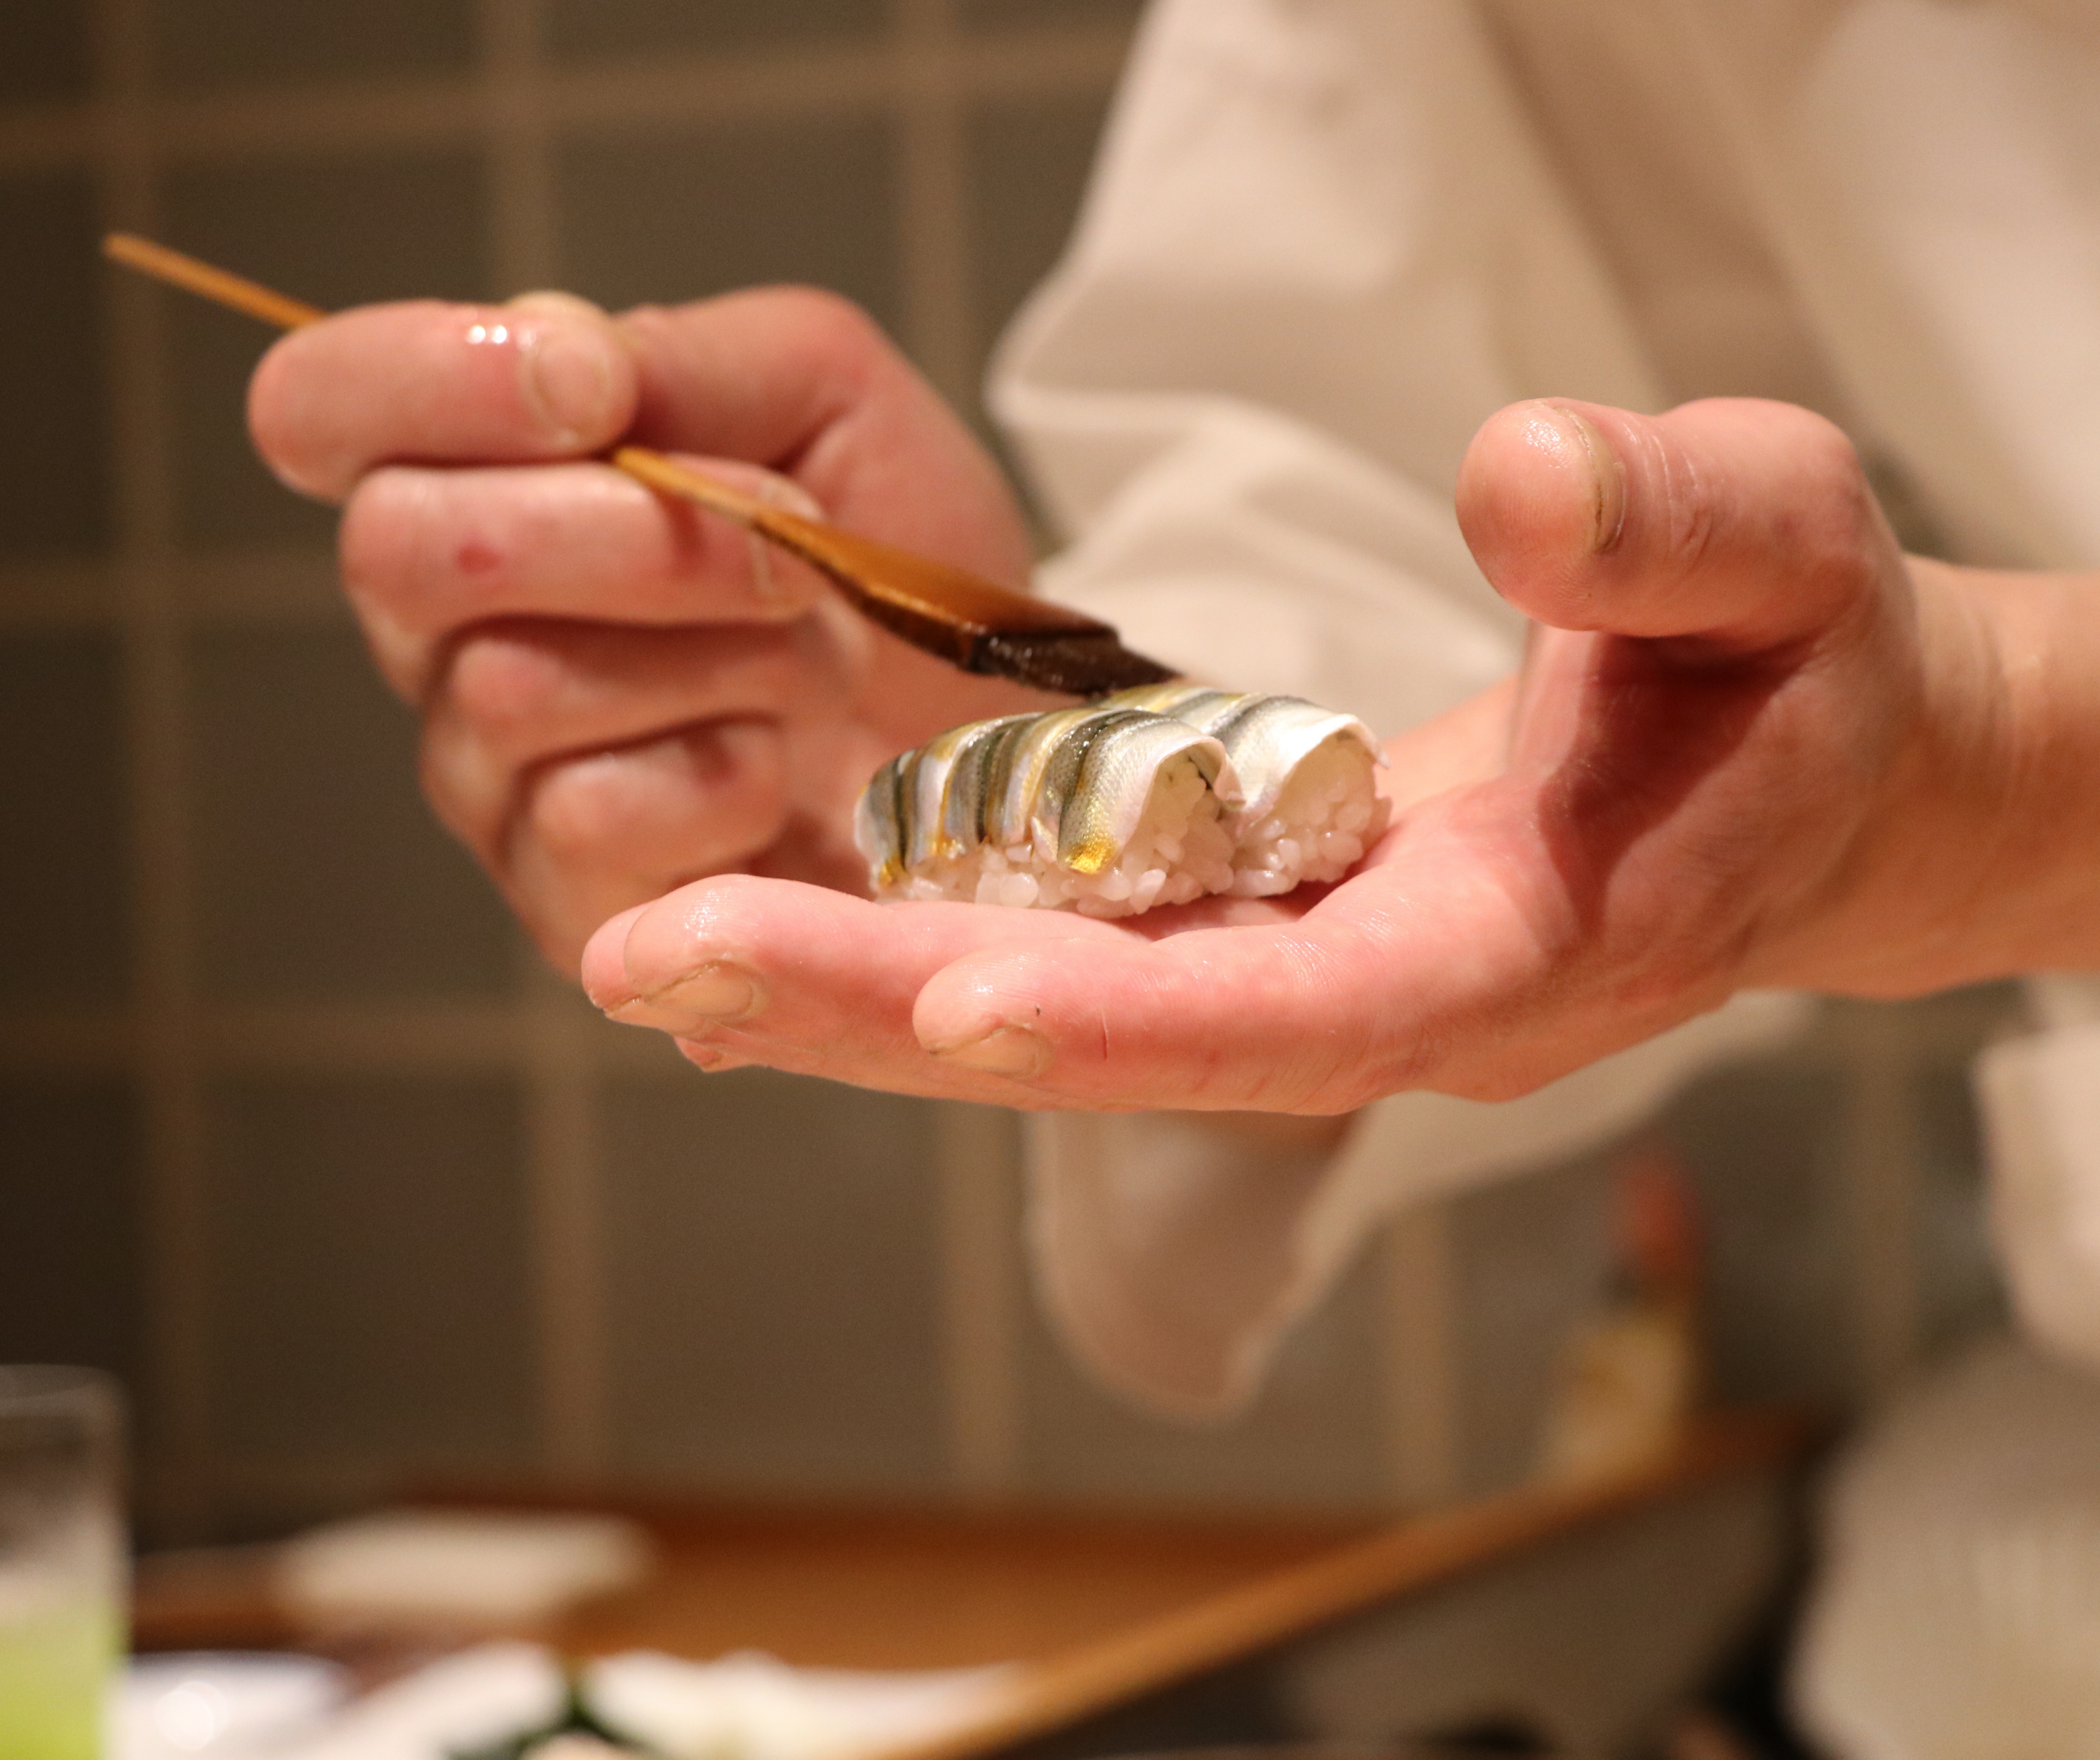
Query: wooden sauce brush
[946,612]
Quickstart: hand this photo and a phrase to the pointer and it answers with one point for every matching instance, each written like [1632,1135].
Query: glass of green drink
[62,1570]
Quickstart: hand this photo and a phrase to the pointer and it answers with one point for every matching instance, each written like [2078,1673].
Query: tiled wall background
[292,1131]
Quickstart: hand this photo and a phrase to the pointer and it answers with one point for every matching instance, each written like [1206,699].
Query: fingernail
[1608,474]
[568,380]
[718,991]
[1006,1050]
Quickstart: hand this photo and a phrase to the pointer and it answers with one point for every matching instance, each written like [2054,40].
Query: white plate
[217,1705]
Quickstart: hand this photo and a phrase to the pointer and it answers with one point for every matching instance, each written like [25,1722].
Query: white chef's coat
[1325,239]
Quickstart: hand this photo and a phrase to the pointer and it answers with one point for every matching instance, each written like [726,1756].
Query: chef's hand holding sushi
[1754,744]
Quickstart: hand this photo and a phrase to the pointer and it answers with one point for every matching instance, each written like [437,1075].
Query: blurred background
[295,1134]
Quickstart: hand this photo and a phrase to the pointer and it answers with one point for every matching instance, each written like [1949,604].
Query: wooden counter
[1101,1611]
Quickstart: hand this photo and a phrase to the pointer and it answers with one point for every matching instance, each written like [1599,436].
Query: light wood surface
[823,1586]
[906,1591]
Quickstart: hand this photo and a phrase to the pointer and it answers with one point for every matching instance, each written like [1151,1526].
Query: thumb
[1745,523]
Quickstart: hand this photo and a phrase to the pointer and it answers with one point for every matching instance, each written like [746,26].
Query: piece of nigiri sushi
[1155,796]
[1105,810]
[1310,805]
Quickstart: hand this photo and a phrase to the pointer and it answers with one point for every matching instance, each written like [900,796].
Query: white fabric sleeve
[1173,1260]
[1321,248]
[2040,1096]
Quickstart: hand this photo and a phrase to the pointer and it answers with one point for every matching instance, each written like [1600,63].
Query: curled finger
[524,691]
[586,836]
[426,552]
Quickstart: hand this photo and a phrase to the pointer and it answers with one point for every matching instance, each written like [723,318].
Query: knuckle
[1813,499]
[502,683]
[698,803]
[576,812]
[833,324]
[1691,529]
[1840,535]
[1816,439]
[381,524]
[1821,454]
[1689,500]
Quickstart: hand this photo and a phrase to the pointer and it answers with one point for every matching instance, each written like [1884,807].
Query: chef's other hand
[618,692]
[1753,745]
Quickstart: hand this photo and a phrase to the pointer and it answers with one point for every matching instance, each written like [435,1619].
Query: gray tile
[71,1275]
[335,232]
[46,53]
[64,910]
[995,15]
[224,497]
[1764,1143]
[774,1312]
[54,477]
[1029,162]
[586,30]
[338,230]
[369,1272]
[674,217]
[1532,1260]
[1310,1441]
[319,870]
[205,44]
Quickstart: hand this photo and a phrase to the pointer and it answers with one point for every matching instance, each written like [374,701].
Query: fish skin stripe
[962,826]
[1092,840]
[1064,808]
[1032,756]
[877,826]
[997,779]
